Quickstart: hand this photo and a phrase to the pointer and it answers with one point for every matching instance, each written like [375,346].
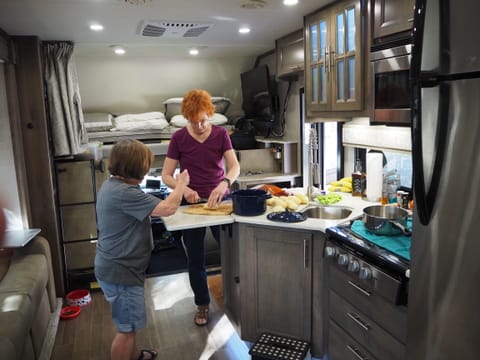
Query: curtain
[63,98]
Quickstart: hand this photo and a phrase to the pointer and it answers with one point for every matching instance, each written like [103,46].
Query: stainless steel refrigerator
[444,290]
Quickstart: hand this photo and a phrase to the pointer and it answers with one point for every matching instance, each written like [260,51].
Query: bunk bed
[154,128]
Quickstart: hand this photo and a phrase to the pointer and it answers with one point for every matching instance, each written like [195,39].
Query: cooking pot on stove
[249,202]
[386,220]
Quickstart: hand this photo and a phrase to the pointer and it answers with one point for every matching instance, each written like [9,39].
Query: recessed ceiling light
[244,30]
[290,2]
[96,27]
[117,49]
[193,51]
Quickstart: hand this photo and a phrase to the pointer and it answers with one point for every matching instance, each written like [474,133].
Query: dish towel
[397,244]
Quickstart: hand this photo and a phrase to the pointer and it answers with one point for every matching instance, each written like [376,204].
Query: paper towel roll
[374,176]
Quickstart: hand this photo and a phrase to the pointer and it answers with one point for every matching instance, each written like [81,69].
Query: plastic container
[79,297]
[70,312]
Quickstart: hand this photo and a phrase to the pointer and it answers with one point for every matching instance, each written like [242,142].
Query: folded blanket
[154,115]
[152,124]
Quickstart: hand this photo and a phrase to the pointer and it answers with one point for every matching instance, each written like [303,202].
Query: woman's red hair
[196,102]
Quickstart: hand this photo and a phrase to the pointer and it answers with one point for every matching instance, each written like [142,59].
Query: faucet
[313,165]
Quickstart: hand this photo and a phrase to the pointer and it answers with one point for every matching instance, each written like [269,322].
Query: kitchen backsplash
[358,133]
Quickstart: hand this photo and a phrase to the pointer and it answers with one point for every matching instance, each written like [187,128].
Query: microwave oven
[391,88]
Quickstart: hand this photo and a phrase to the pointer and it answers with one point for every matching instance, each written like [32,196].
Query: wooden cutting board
[199,209]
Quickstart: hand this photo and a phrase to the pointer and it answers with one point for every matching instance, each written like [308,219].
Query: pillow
[216,119]
[97,121]
[173,106]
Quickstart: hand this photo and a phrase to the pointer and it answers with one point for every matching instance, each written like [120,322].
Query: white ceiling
[70,20]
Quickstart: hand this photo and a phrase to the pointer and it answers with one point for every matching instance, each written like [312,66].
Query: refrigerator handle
[425,199]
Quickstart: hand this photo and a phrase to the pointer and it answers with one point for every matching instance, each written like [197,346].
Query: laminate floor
[170,327]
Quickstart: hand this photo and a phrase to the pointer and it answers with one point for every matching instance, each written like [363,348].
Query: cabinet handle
[364,292]
[358,321]
[325,53]
[305,253]
[329,60]
[356,352]
[410,20]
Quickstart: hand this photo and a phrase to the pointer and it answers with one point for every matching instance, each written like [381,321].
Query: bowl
[327,212]
[78,297]
[70,312]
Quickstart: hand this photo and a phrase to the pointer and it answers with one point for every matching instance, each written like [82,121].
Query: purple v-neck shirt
[204,161]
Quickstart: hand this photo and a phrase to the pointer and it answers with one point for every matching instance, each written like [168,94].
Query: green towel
[397,244]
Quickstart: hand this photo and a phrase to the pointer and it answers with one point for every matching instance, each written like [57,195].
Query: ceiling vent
[173,29]
[253,4]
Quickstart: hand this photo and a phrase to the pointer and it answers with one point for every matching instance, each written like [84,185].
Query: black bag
[243,139]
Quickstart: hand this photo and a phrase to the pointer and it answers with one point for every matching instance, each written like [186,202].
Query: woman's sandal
[153,354]
[201,316]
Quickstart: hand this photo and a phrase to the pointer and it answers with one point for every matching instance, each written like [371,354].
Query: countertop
[180,220]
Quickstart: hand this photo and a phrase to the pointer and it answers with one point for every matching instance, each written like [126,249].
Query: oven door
[391,88]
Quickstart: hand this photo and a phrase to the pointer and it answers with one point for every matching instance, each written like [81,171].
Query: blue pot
[249,202]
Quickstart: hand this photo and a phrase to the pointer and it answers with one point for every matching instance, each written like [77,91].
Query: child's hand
[183,178]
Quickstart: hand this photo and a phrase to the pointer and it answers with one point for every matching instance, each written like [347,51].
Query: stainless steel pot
[386,220]
[250,202]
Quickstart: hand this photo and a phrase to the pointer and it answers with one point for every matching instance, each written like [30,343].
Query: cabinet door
[334,59]
[290,55]
[317,35]
[275,276]
[79,222]
[392,17]
[230,272]
[75,182]
[346,58]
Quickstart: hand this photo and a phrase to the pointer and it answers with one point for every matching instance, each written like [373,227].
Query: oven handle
[387,65]
[355,286]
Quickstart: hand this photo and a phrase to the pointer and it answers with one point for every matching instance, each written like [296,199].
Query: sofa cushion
[16,316]
[27,275]
[5,256]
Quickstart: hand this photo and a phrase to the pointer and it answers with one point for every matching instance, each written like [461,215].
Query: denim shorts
[128,306]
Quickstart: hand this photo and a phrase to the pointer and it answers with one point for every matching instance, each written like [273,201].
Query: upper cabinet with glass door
[334,60]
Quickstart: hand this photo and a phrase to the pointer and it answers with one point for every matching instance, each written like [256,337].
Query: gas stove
[374,260]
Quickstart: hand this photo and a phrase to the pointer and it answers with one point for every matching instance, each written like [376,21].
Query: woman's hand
[217,195]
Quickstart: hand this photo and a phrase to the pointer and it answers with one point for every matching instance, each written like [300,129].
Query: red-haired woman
[205,150]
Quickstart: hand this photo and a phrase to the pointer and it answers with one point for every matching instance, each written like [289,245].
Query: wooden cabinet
[229,242]
[275,277]
[290,55]
[392,18]
[76,184]
[334,59]
[361,322]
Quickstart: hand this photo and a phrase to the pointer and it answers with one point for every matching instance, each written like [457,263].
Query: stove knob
[353,266]
[330,251]
[342,259]
[365,273]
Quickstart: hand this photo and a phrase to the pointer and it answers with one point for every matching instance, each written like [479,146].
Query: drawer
[80,255]
[79,222]
[389,316]
[365,331]
[342,347]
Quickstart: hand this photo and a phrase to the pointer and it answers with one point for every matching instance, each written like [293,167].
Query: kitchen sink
[327,212]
